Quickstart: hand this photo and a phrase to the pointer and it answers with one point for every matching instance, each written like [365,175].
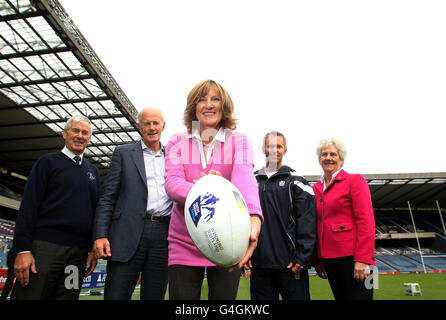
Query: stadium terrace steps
[401,263]
[434,262]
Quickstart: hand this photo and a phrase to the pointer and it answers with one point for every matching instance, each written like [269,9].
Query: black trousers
[267,284]
[340,276]
[185,283]
[60,273]
[149,261]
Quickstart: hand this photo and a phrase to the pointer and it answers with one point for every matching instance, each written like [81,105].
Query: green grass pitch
[390,287]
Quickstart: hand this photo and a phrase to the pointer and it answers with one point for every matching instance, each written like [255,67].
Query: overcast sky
[372,73]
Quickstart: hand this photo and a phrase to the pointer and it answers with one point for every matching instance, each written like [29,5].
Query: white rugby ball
[217,220]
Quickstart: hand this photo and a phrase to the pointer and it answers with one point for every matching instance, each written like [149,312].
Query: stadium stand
[401,263]
[396,199]
[49,72]
[434,261]
[385,268]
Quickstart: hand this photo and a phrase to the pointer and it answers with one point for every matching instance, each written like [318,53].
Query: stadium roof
[49,72]
[394,191]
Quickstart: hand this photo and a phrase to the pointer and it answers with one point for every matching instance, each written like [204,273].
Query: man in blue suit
[133,214]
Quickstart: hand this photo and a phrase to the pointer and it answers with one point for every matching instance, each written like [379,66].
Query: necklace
[207,144]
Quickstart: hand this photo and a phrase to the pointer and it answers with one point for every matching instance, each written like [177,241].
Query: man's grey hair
[76,118]
[153,109]
[328,142]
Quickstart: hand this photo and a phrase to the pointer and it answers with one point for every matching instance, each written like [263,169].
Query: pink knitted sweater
[233,158]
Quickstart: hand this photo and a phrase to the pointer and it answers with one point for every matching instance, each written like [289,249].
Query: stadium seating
[434,262]
[384,268]
[6,228]
[401,263]
[6,235]
[3,264]
[402,254]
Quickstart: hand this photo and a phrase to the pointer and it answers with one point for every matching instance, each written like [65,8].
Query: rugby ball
[217,220]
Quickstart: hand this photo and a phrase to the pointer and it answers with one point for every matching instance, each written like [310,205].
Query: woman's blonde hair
[200,90]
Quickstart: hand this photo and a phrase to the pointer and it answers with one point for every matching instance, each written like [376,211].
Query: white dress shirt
[220,136]
[332,178]
[70,154]
[158,203]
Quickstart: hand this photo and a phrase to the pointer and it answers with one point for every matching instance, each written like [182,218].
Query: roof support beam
[56,103]
[45,81]
[55,135]
[33,53]
[25,15]
[39,122]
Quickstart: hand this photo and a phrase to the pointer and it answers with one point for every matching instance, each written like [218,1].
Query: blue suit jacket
[123,202]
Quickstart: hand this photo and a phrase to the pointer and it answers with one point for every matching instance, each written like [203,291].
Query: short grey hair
[76,118]
[153,109]
[328,142]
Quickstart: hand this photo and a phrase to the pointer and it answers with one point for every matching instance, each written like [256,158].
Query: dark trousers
[267,284]
[60,273]
[149,261]
[340,276]
[185,283]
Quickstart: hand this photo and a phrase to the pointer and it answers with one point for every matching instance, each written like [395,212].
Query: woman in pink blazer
[345,225]
[210,146]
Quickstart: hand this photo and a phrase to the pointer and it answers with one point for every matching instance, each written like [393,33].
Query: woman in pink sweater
[210,146]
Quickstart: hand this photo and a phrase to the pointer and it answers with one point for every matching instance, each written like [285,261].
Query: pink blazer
[233,158]
[345,219]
